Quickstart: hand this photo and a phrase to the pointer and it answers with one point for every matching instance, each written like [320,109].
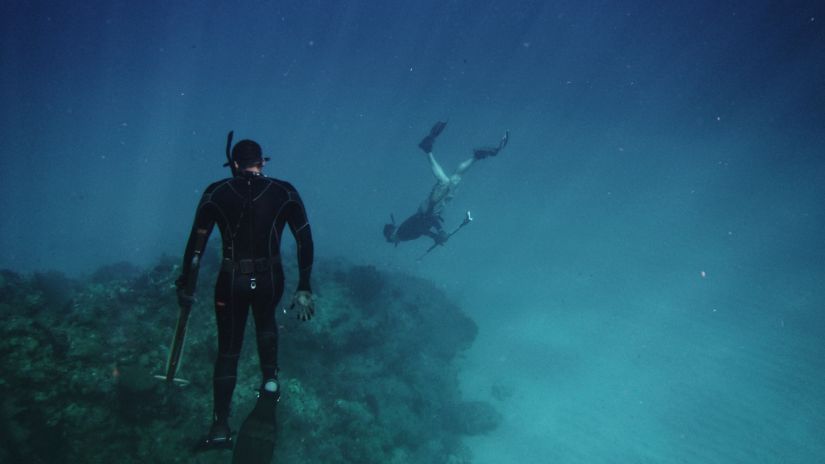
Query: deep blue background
[115,113]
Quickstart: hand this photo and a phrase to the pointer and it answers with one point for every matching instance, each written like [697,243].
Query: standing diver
[428,220]
[251,211]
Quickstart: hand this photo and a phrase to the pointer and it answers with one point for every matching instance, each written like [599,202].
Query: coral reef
[371,379]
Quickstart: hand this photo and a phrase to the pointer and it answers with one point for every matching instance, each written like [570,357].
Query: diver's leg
[258,432]
[438,172]
[464,166]
[267,296]
[231,308]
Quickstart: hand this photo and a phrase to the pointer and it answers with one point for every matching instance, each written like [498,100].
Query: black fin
[481,153]
[257,436]
[426,143]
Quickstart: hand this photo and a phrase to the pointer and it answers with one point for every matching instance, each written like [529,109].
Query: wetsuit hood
[247,152]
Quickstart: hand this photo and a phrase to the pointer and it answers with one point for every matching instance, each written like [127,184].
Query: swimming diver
[427,221]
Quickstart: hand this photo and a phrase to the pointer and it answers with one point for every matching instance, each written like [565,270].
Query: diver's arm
[302,302]
[437,233]
[299,226]
[439,237]
[201,229]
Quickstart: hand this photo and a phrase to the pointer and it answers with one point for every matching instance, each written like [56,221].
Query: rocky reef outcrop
[371,379]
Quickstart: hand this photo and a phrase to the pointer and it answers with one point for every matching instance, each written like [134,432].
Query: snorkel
[229,153]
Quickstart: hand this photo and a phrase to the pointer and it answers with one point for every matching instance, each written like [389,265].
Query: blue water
[645,263]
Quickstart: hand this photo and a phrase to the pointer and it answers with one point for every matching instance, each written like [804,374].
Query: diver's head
[389,233]
[247,155]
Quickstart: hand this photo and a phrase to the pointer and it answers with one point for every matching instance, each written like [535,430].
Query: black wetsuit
[419,225]
[251,211]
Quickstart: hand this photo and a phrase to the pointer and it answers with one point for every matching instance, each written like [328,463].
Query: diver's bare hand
[304,304]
